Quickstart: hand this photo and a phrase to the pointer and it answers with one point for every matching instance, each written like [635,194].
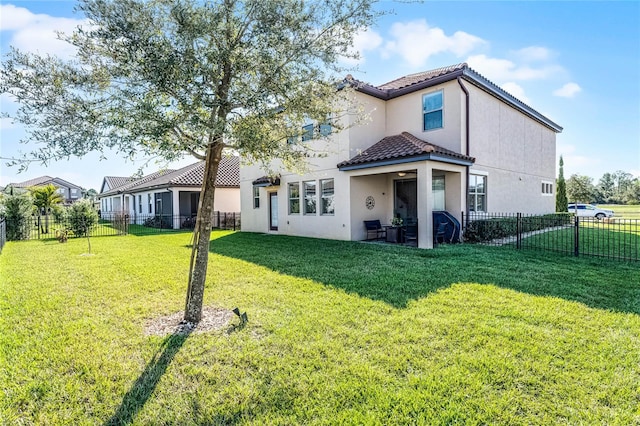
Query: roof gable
[422,80]
[191,175]
[403,148]
[45,180]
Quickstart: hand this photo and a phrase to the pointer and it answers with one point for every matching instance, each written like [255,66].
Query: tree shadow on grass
[140,392]
[396,275]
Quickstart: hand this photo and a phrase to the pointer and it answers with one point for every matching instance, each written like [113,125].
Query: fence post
[576,237]
[234,221]
[519,231]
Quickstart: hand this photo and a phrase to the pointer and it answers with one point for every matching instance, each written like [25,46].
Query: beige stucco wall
[404,114]
[227,200]
[515,152]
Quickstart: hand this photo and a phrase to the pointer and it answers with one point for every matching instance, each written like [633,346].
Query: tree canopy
[169,77]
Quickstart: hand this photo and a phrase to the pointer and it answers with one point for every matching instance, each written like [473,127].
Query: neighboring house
[69,191]
[441,140]
[172,195]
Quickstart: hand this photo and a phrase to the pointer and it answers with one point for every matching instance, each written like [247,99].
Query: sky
[578,63]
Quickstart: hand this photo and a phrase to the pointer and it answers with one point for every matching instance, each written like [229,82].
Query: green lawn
[625,211]
[338,333]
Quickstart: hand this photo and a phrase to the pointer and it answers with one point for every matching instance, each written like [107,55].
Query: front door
[273,211]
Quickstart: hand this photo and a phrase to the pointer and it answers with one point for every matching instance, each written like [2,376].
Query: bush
[501,227]
[157,222]
[81,217]
[17,209]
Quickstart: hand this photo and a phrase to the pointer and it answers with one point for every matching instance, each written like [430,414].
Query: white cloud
[569,90]
[363,41]
[533,54]
[32,32]
[502,70]
[416,42]
[516,90]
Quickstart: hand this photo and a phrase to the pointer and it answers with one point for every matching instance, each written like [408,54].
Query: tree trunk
[201,236]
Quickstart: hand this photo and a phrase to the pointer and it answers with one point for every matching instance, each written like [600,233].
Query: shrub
[81,217]
[157,222]
[17,209]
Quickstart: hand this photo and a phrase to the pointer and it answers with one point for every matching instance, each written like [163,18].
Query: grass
[625,211]
[338,333]
[614,239]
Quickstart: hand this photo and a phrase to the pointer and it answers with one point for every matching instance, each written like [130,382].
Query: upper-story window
[432,111]
[547,188]
[307,134]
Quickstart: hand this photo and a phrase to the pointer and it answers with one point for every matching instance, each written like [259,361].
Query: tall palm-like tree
[44,197]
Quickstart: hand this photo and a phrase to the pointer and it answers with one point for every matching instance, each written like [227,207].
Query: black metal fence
[3,233]
[141,224]
[45,227]
[613,238]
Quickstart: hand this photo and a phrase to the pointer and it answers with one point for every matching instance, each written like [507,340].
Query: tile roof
[44,180]
[419,77]
[191,175]
[134,182]
[422,80]
[402,146]
[118,181]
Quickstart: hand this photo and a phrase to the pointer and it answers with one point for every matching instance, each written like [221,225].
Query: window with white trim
[432,111]
[140,204]
[310,200]
[477,199]
[150,202]
[294,198]
[547,188]
[256,197]
[327,197]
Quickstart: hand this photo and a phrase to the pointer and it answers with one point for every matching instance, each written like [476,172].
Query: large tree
[168,77]
[580,189]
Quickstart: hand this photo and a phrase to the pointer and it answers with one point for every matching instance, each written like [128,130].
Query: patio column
[425,225]
[175,202]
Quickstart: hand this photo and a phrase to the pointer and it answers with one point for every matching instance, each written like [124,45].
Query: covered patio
[404,179]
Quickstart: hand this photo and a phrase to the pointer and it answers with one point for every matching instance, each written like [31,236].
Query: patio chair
[375,230]
[411,233]
[440,234]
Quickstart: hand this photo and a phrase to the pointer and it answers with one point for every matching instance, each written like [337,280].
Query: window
[477,193]
[139,203]
[150,202]
[309,197]
[307,133]
[294,198]
[256,197]
[547,188]
[432,110]
[326,197]
[325,129]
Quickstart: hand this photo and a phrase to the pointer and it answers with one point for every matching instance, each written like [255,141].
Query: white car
[587,210]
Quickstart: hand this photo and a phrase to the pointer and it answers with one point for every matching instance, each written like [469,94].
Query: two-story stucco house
[171,195]
[441,140]
[69,192]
